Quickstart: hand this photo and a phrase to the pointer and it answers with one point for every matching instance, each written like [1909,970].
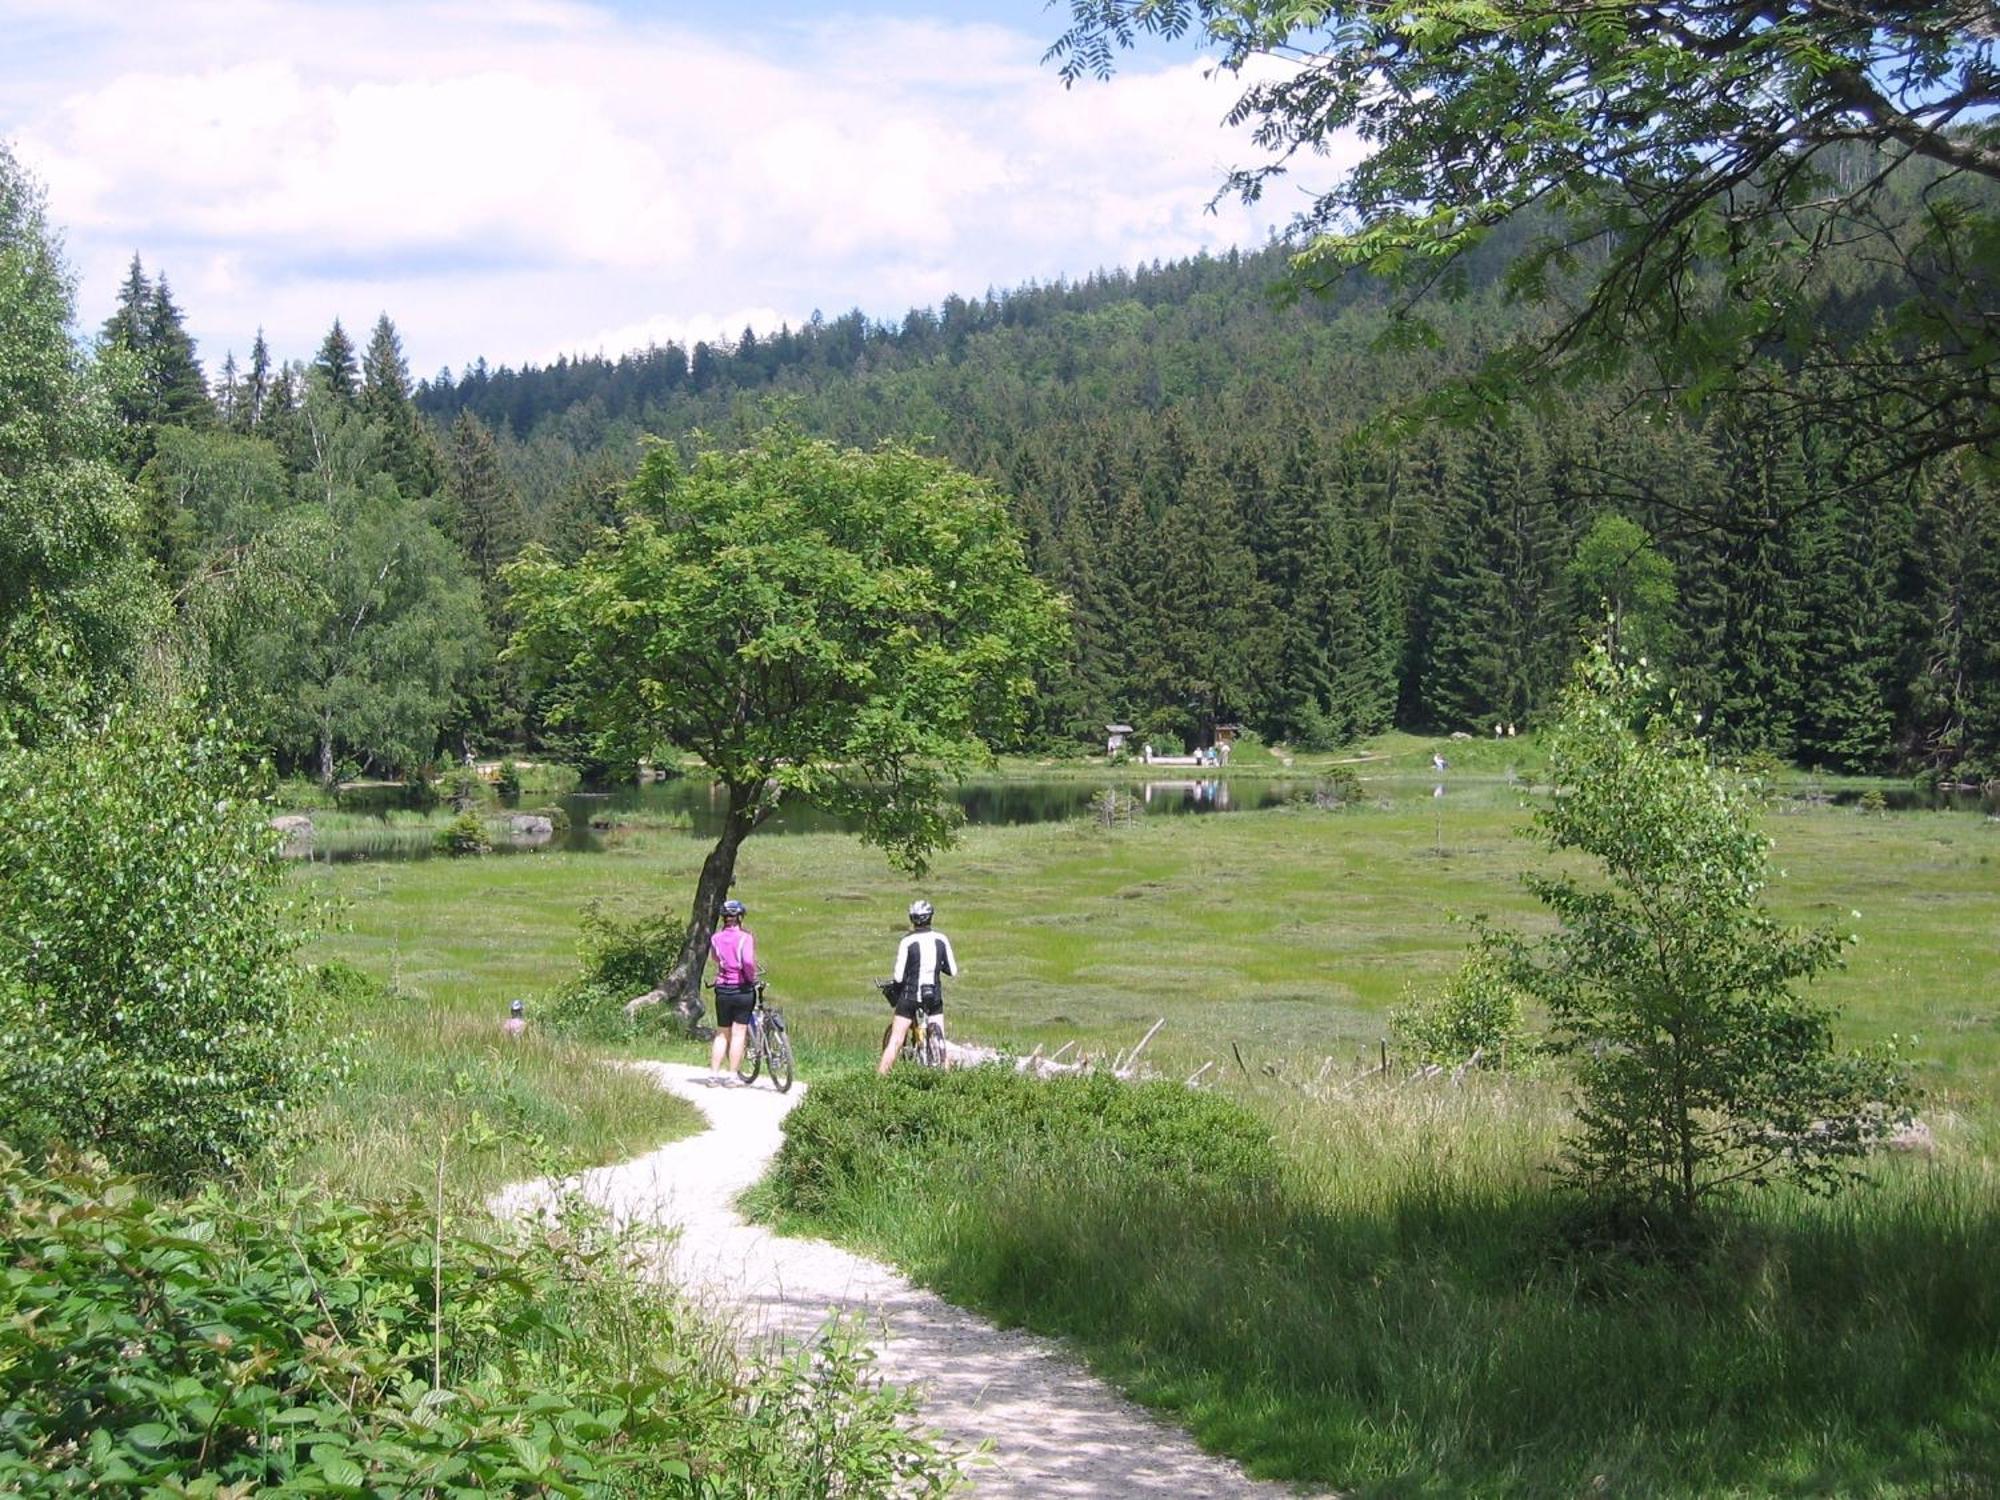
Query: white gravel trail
[1053,1428]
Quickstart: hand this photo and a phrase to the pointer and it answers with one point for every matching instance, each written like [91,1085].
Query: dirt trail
[1054,1428]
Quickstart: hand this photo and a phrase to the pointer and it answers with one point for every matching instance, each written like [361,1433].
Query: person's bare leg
[899,1030]
[739,1038]
[717,1049]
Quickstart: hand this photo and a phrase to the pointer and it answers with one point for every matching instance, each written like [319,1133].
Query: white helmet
[921,913]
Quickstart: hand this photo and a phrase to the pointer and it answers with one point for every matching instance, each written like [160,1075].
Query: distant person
[923,958]
[735,990]
[1438,762]
[517,1018]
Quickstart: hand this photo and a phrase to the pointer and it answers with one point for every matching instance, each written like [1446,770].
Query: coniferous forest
[1225,482]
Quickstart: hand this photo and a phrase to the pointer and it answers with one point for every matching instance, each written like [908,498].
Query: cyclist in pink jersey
[735,990]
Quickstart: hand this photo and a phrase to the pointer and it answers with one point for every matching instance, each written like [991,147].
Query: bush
[149,1002]
[619,959]
[1669,985]
[853,1128]
[508,781]
[423,787]
[467,791]
[301,1345]
[465,834]
[1318,730]
[1338,787]
[1477,1011]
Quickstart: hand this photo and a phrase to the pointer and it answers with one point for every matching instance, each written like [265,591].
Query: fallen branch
[1133,1060]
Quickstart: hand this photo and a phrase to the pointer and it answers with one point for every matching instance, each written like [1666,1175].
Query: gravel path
[1054,1428]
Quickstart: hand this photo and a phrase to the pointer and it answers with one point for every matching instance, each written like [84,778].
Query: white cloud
[521,178]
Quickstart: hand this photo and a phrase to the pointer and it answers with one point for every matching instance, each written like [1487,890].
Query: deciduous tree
[837,627]
[1678,176]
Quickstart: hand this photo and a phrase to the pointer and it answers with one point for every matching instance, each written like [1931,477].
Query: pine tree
[1494,639]
[228,391]
[180,390]
[1745,628]
[408,454]
[126,327]
[1851,547]
[256,391]
[488,518]
[1208,612]
[335,365]
[1300,568]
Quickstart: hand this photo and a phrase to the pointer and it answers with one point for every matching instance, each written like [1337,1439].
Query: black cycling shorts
[733,1006]
[912,998]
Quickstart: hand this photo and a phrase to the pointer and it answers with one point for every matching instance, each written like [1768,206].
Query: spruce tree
[180,390]
[487,516]
[335,365]
[408,454]
[256,391]
[126,327]
[1745,657]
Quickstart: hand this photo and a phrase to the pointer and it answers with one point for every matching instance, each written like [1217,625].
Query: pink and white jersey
[735,957]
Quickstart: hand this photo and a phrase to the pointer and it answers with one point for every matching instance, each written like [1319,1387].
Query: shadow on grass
[1449,1343]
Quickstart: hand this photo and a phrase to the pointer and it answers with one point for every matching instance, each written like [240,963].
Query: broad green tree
[75,603]
[1675,176]
[1618,576]
[149,1002]
[1670,987]
[849,629]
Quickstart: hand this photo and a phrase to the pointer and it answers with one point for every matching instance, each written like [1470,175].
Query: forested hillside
[1197,462]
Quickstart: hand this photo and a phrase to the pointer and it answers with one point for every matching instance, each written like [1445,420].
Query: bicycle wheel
[930,1050]
[778,1053]
[753,1052]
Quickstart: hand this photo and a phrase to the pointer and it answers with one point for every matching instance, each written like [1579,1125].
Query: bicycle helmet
[921,913]
[733,908]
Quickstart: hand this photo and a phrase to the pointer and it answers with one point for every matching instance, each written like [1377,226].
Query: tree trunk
[683,982]
[326,753]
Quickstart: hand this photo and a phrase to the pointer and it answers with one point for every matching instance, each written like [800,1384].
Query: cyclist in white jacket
[922,960]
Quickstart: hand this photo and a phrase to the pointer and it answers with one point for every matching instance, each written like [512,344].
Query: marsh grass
[1290,933]
[1416,1312]
[426,1084]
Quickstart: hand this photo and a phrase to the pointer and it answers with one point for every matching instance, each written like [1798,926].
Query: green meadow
[1406,1305]
[1289,932]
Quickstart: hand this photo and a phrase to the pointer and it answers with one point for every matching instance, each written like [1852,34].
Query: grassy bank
[1407,1309]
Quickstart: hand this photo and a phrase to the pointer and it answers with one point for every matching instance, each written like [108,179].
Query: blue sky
[522,178]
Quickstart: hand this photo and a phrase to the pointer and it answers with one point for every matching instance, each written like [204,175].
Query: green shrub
[301,1345]
[341,986]
[618,959]
[1699,1068]
[855,1127]
[465,834]
[148,994]
[1478,1011]
[423,786]
[467,790]
[1338,787]
[508,781]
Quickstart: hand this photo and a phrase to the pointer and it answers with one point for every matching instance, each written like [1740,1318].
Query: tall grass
[429,1088]
[1414,1310]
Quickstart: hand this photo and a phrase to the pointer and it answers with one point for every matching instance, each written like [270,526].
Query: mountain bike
[769,1047]
[924,1042]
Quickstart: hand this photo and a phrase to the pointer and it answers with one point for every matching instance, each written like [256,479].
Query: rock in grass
[298,831]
